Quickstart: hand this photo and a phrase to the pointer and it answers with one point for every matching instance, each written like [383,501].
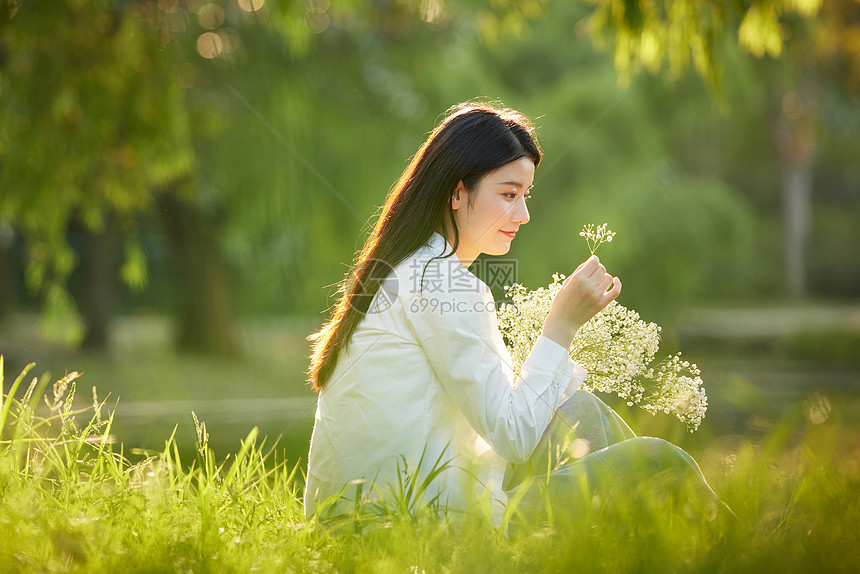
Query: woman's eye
[511,195]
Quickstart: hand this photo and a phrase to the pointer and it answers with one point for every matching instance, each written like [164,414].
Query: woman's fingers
[581,265]
[588,271]
[585,269]
[593,268]
[612,294]
[604,283]
[589,266]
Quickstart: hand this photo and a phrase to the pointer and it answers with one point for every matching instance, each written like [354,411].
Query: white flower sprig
[594,236]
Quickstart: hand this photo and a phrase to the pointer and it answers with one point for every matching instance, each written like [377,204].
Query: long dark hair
[472,140]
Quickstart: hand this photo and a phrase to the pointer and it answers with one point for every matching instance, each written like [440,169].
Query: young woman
[412,371]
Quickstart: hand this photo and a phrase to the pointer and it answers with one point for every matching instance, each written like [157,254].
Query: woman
[413,374]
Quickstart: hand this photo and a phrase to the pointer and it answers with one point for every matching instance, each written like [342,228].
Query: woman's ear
[458,198]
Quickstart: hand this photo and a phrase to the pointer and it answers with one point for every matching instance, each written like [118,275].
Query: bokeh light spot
[251,5]
[209,45]
[211,16]
[816,408]
[318,20]
[432,10]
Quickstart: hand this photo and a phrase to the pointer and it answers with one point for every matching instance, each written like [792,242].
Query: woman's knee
[594,420]
[655,452]
[582,399]
[582,406]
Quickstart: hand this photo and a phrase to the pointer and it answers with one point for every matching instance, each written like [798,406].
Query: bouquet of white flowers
[616,347]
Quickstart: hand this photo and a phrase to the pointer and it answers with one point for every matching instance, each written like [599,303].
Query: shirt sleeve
[460,336]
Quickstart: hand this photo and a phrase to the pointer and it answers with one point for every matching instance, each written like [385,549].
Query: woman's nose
[521,215]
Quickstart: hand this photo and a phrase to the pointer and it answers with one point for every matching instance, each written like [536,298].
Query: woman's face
[497,209]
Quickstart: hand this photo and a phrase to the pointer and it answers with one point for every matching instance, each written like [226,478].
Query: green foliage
[646,33]
[92,123]
[71,502]
[288,139]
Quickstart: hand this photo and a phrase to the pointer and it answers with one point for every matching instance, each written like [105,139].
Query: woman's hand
[584,294]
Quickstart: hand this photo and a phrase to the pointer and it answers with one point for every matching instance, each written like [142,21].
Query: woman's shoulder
[433,270]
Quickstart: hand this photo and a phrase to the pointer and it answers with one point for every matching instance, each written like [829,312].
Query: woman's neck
[466,259]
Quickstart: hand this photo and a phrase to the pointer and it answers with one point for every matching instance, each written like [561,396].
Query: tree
[101,127]
[91,121]
[821,52]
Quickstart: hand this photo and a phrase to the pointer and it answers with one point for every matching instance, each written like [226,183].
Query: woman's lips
[510,234]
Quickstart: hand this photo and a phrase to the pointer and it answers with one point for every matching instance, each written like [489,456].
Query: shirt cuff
[575,382]
[549,358]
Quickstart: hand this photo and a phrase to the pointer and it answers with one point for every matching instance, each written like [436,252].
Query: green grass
[73,501]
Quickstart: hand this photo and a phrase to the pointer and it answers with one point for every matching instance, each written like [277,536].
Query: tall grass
[73,501]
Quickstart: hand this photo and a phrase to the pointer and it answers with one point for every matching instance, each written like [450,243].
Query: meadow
[75,499]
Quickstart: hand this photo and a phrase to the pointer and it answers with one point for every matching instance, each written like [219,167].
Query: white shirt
[427,373]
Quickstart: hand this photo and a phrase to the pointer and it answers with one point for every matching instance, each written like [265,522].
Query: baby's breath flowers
[594,236]
[617,348]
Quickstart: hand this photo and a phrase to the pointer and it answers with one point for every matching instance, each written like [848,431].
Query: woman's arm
[460,336]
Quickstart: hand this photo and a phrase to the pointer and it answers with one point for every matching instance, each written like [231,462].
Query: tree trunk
[100,274]
[7,270]
[795,140]
[796,198]
[204,315]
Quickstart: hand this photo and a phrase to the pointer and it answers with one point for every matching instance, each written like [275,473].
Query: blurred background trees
[208,159]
